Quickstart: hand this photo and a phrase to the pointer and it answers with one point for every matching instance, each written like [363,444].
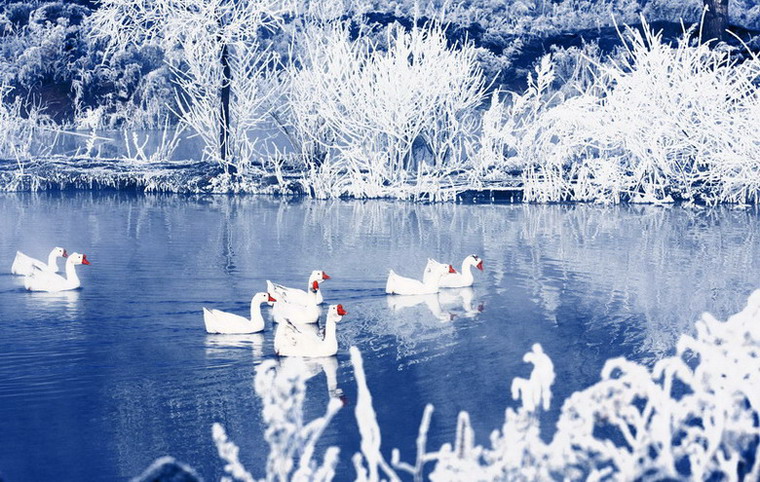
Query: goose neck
[330,329]
[53,261]
[467,270]
[71,273]
[256,312]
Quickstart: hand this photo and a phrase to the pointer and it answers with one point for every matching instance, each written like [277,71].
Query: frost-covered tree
[215,50]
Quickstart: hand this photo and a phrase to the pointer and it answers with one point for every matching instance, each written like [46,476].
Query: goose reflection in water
[311,367]
[445,305]
[56,301]
[219,344]
[464,297]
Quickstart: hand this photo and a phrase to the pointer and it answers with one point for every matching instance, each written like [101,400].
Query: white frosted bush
[638,423]
[658,119]
[394,118]
[25,133]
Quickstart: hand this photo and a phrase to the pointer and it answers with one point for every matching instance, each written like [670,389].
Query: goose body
[298,296]
[41,280]
[430,284]
[304,340]
[26,265]
[303,310]
[218,321]
[298,314]
[464,278]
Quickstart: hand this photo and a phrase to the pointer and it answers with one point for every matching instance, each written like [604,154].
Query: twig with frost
[422,455]
[537,390]
[368,428]
[228,451]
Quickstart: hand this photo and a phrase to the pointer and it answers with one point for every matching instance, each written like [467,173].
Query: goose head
[474,260]
[263,297]
[336,313]
[60,252]
[438,270]
[319,276]
[78,258]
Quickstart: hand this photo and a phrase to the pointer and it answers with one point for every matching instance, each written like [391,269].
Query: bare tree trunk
[716,20]
[224,130]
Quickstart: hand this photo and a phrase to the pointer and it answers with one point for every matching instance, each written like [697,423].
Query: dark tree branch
[716,20]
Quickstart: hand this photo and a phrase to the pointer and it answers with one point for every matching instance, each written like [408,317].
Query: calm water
[97,383]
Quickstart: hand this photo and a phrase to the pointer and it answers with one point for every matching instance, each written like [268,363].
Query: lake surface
[97,383]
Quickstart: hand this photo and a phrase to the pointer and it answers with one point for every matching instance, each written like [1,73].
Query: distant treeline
[50,57]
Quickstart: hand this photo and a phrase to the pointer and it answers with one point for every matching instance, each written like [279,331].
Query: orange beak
[325,276]
[270,297]
[341,311]
[451,269]
[65,254]
[84,259]
[480,265]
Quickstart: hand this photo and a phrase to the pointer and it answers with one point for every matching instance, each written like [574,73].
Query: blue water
[95,384]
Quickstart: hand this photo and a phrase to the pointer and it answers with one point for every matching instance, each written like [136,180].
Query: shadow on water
[96,383]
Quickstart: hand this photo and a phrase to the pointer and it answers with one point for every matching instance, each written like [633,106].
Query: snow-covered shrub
[656,119]
[374,120]
[130,89]
[502,148]
[695,415]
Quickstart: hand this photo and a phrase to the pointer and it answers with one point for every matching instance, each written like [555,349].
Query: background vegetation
[402,99]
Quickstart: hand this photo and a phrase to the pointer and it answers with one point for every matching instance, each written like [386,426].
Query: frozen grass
[22,125]
[694,415]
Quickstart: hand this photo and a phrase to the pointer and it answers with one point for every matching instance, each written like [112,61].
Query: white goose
[463,278]
[218,321]
[285,310]
[291,340]
[434,271]
[25,265]
[52,282]
[300,297]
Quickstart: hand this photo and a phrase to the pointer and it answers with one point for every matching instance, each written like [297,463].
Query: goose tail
[390,284]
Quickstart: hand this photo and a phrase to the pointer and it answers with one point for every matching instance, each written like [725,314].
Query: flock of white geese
[296,312]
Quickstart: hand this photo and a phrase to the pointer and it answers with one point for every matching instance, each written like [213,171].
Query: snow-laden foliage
[376,120]
[654,121]
[695,415]
[543,18]
[395,109]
